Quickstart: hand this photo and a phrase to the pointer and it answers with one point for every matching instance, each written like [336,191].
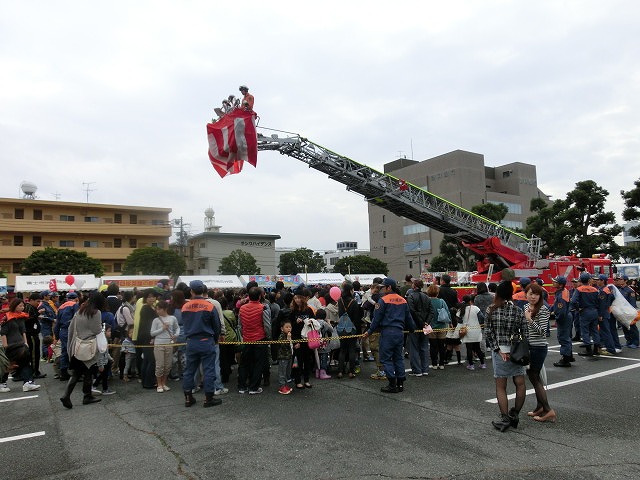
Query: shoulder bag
[519,353]
[83,349]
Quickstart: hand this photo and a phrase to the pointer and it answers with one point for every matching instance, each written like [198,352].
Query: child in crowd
[105,362]
[285,352]
[324,351]
[47,343]
[129,350]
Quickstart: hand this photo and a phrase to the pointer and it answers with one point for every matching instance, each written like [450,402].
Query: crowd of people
[200,336]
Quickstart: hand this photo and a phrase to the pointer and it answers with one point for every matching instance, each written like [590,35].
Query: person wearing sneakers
[537,316]
[470,317]
[253,323]
[164,330]
[14,341]
[564,321]
[285,352]
[202,328]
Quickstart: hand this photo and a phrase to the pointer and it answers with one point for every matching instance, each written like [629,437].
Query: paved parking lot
[438,428]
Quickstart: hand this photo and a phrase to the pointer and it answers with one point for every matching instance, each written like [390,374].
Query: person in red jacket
[254,356]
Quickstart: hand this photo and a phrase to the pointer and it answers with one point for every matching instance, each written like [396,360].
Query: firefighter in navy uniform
[564,321]
[586,299]
[391,318]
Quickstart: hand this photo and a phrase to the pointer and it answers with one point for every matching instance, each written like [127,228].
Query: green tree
[453,257]
[61,261]
[238,262]
[632,210]
[577,224]
[360,264]
[493,211]
[629,254]
[154,261]
[292,263]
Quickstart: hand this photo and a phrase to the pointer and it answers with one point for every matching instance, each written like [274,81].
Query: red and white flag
[232,141]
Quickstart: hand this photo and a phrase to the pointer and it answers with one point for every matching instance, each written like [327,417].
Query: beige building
[108,233]
[460,177]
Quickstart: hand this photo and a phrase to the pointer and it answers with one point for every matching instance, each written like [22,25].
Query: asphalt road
[438,428]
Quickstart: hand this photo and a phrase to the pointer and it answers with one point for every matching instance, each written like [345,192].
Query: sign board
[214,281]
[269,281]
[321,278]
[129,282]
[39,283]
[3,286]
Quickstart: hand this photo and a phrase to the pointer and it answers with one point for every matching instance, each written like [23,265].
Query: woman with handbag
[537,315]
[440,324]
[14,341]
[505,320]
[470,332]
[85,326]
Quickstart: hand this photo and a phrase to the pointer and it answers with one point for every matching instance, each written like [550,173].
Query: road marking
[18,398]
[575,380]
[21,437]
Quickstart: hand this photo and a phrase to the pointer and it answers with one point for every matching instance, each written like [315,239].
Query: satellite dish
[28,189]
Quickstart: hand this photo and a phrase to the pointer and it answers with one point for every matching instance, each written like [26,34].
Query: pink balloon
[335,293]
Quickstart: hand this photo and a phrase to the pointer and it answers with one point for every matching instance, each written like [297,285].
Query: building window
[67,218]
[384,218]
[67,243]
[91,219]
[90,244]
[37,214]
[19,213]
[203,244]
[384,250]
[37,241]
[515,208]
[157,244]
[133,219]
[333,260]
[511,224]
[415,228]
[507,173]
[158,222]
[107,244]
[117,267]
[117,243]
[133,243]
[417,246]
[117,218]
[18,240]
[17,267]
[384,234]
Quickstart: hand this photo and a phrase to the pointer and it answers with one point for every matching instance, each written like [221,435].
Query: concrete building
[627,239]
[206,250]
[460,177]
[108,233]
[343,249]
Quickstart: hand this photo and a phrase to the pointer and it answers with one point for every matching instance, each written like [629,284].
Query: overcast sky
[119,93]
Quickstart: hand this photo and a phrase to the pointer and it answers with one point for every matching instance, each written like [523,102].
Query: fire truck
[498,249]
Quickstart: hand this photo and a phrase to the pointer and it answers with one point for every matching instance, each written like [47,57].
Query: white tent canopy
[39,283]
[321,278]
[364,278]
[214,281]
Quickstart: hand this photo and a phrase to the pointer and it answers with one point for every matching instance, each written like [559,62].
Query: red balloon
[334,293]
[69,279]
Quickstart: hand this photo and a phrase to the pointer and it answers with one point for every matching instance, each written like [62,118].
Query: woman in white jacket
[470,317]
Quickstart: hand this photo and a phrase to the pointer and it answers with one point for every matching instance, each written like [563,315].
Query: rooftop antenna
[56,195]
[86,188]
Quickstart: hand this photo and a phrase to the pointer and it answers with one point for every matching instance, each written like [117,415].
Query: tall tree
[61,261]
[493,211]
[453,257]
[360,264]
[632,210]
[154,261]
[292,263]
[238,262]
[576,225]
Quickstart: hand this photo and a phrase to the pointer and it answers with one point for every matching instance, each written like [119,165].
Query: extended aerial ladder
[503,246]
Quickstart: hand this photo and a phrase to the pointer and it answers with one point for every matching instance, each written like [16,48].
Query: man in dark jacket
[448,294]
[422,313]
